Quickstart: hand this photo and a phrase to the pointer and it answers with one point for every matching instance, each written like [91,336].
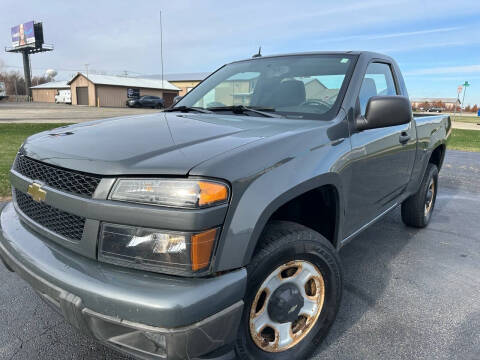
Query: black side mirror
[177,99]
[383,111]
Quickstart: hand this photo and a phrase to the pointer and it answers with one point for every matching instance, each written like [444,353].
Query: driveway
[409,294]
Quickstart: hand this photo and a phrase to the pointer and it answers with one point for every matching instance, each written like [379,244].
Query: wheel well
[316,209]
[437,156]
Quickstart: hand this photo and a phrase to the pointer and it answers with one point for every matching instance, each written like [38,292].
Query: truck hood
[159,143]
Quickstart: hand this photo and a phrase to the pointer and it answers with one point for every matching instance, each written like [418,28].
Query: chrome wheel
[287,306]
[429,197]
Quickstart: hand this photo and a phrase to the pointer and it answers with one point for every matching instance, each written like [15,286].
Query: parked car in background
[212,230]
[63,97]
[435,110]
[153,102]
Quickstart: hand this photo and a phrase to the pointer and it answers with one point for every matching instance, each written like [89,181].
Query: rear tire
[284,247]
[417,209]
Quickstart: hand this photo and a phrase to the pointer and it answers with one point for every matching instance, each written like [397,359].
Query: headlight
[156,250]
[174,193]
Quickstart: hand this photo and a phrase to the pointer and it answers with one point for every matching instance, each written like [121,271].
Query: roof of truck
[348,52]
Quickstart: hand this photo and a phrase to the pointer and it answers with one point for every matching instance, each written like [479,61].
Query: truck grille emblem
[36,192]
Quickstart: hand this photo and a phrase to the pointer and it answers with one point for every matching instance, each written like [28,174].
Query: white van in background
[3,92]
[63,97]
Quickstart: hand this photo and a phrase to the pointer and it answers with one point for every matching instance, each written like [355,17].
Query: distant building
[113,91]
[185,82]
[46,92]
[448,103]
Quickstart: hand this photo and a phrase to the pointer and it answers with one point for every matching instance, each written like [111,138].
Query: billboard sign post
[27,38]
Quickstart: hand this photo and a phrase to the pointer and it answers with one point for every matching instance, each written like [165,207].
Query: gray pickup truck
[212,230]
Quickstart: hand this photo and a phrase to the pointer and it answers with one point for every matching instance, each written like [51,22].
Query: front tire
[293,294]
[417,209]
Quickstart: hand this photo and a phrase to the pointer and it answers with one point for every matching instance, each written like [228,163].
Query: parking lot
[60,113]
[409,294]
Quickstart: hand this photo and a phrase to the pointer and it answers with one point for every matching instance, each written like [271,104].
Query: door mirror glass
[384,111]
[176,99]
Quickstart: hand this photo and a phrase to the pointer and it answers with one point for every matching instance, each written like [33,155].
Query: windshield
[298,86]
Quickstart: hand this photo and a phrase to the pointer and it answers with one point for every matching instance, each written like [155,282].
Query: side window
[378,81]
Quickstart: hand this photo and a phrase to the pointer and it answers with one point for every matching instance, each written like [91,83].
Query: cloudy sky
[436,42]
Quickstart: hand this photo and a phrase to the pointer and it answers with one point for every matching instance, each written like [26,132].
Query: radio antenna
[259,54]
[161,43]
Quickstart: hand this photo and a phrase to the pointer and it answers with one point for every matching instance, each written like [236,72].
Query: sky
[436,43]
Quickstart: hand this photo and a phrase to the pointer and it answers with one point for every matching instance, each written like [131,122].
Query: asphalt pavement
[33,112]
[409,294]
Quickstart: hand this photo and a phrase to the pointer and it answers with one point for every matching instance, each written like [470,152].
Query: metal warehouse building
[113,91]
[46,92]
[185,82]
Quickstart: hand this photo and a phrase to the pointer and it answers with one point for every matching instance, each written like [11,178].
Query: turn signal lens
[201,248]
[211,193]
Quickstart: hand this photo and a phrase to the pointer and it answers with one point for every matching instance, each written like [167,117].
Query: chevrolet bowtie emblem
[36,192]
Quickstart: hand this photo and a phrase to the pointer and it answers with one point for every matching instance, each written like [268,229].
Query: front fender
[256,198]
[265,213]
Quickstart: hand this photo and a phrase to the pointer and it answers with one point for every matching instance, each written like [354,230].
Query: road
[60,113]
[466,126]
[409,294]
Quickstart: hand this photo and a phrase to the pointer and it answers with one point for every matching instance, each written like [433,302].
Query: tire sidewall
[432,173]
[327,264]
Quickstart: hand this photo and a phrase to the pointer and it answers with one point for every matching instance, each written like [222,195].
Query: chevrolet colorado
[211,230]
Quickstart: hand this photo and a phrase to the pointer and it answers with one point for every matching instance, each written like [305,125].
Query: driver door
[382,161]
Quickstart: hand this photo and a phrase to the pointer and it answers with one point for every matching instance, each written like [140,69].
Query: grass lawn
[12,136]
[466,140]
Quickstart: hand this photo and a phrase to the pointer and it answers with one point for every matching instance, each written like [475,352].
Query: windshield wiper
[241,109]
[187,109]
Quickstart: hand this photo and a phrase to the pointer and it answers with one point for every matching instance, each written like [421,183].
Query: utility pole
[86,67]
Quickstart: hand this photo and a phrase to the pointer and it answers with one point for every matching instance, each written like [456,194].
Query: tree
[15,84]
[38,80]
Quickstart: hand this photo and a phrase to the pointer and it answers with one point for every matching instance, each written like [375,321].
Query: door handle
[404,137]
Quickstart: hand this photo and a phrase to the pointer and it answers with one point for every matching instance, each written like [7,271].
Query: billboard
[23,34]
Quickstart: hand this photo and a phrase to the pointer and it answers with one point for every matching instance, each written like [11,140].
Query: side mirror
[177,99]
[384,111]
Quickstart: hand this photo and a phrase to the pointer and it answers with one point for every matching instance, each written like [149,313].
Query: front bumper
[150,316]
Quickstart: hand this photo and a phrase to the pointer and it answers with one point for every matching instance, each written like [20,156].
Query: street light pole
[465,85]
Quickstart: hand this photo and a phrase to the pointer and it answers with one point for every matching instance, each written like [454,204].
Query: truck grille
[58,221]
[62,179]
